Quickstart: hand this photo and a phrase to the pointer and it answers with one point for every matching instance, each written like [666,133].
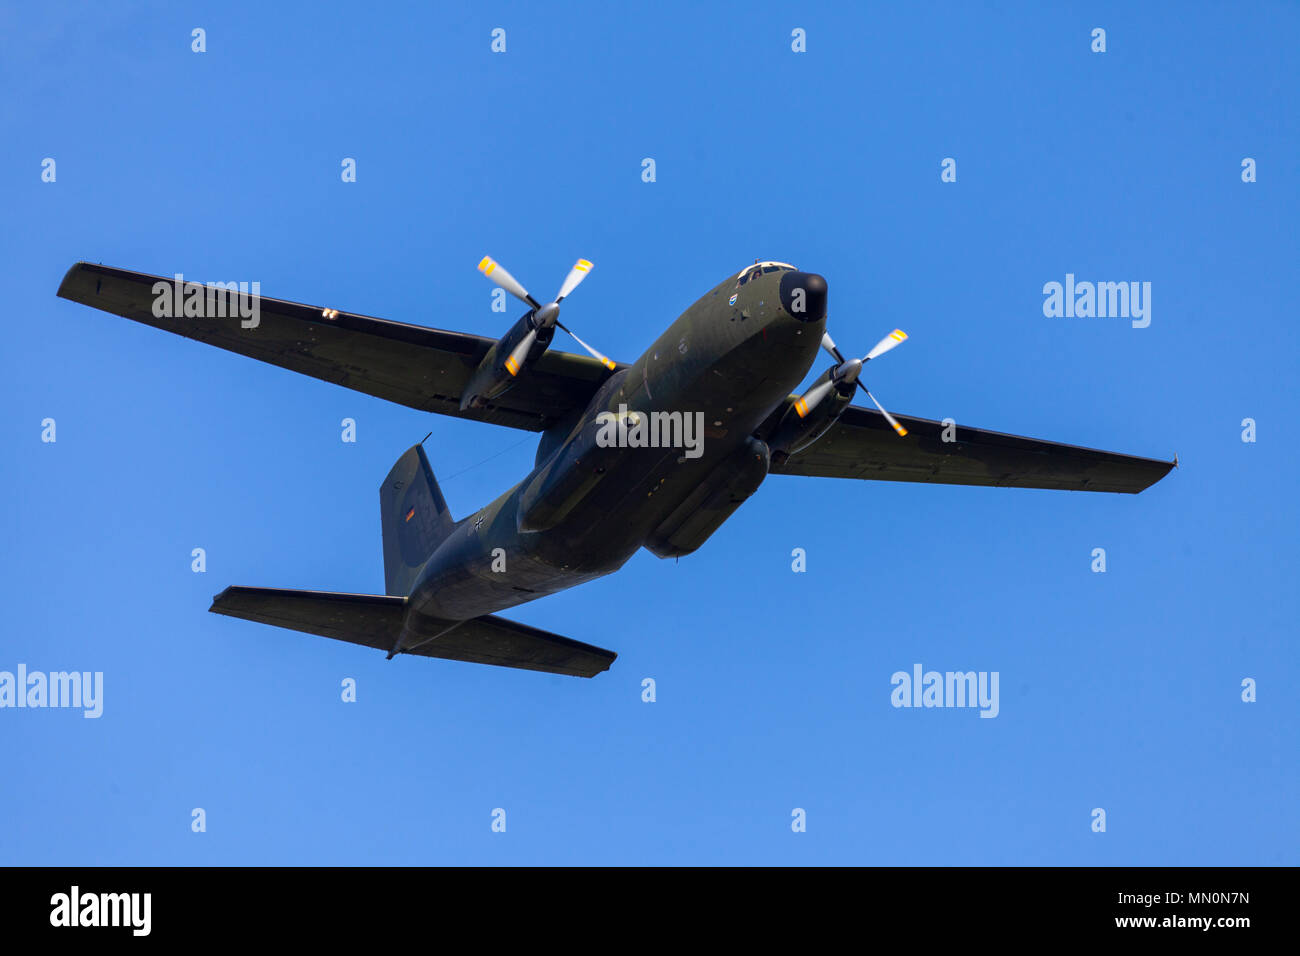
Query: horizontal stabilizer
[494,640]
[375,620]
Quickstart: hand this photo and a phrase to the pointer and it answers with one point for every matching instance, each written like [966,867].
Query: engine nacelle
[492,378]
[793,433]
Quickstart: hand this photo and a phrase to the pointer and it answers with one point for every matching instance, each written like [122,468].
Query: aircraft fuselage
[583,510]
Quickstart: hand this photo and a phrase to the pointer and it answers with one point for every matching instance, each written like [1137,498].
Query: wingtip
[68,277]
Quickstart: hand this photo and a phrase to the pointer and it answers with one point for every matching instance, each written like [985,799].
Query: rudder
[415,519]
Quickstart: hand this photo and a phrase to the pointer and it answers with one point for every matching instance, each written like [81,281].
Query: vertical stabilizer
[415,520]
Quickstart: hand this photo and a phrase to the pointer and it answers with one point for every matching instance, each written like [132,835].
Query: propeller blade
[516,358]
[813,397]
[575,276]
[829,345]
[594,354]
[892,340]
[498,274]
[888,417]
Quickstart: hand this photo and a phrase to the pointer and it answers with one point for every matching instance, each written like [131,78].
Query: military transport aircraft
[729,362]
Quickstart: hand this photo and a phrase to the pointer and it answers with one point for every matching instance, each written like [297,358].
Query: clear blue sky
[1118,690]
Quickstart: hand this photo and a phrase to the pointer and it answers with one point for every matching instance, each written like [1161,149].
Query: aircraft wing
[412,365]
[863,445]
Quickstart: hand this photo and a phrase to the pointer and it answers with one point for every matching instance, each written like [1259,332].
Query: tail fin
[415,520]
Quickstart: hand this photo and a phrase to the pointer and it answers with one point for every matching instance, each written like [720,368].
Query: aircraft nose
[803,295]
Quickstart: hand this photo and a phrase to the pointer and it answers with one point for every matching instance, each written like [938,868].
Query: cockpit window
[760,268]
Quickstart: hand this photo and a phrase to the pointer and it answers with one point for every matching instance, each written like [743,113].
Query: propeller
[544,316]
[847,373]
